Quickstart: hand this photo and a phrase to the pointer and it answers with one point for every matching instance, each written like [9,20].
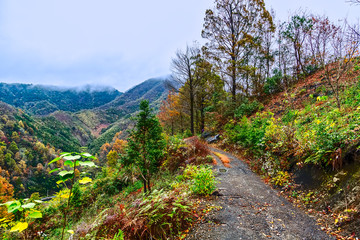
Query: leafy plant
[273,84]
[119,235]
[281,178]
[203,182]
[72,161]
[24,211]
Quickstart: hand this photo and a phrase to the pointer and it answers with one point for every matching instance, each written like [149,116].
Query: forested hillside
[23,156]
[42,100]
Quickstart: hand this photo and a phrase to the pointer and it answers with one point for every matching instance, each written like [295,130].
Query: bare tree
[182,68]
[342,49]
[353,1]
[318,39]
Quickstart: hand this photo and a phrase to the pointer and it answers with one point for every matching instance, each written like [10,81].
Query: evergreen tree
[146,145]
[13,147]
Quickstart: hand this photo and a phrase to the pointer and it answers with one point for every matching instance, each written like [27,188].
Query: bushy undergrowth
[114,206]
[318,134]
[163,214]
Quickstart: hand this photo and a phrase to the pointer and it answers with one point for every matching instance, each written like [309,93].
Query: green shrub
[289,116]
[157,216]
[247,133]
[203,182]
[132,188]
[247,108]
[273,84]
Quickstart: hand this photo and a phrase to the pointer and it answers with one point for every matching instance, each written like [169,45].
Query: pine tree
[146,145]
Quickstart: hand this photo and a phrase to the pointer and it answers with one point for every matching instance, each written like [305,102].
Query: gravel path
[252,210]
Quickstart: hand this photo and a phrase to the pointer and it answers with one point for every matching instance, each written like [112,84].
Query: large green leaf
[54,170]
[67,177]
[69,163]
[35,214]
[63,173]
[15,206]
[72,158]
[7,203]
[29,205]
[87,164]
[86,154]
[64,154]
[54,160]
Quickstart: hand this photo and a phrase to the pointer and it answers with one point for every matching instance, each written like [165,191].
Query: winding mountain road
[252,210]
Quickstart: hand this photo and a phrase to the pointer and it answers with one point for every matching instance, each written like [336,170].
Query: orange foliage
[6,194]
[170,110]
[224,159]
[116,147]
[119,146]
[105,148]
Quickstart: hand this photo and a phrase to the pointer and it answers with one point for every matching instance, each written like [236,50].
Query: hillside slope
[25,150]
[303,143]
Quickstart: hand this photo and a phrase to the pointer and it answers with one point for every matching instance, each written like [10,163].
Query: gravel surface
[252,210]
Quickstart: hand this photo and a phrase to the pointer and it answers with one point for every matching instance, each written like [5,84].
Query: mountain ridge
[43,100]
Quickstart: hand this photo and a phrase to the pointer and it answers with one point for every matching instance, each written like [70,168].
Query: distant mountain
[152,90]
[116,115]
[43,100]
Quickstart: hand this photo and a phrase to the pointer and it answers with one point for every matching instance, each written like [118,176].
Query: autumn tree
[231,29]
[170,112]
[146,145]
[6,194]
[182,67]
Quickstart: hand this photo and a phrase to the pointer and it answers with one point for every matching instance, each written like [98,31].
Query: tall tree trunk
[148,180]
[191,106]
[202,116]
[144,184]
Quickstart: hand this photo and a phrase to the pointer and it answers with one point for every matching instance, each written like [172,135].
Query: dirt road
[252,210]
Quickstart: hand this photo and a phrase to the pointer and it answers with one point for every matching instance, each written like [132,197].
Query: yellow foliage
[19,227]
[112,158]
[85,180]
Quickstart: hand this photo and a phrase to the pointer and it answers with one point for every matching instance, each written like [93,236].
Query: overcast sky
[119,43]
